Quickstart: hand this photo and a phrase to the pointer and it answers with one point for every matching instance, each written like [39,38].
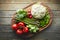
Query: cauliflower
[38,11]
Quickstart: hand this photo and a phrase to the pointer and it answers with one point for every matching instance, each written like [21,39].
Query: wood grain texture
[12,6]
[6,21]
[29,1]
[7,13]
[8,7]
[20,6]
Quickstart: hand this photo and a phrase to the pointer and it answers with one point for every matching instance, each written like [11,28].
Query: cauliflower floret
[38,11]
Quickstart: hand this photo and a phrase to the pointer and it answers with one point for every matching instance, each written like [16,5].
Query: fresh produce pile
[26,23]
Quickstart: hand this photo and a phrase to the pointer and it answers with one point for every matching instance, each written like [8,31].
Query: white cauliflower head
[38,11]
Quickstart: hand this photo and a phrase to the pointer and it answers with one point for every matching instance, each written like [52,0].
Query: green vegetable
[31,21]
[33,28]
[20,15]
[45,20]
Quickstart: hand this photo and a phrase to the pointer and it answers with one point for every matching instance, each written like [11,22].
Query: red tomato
[25,29]
[14,26]
[19,31]
[21,24]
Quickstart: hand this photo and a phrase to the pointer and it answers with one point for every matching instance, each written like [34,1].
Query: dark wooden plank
[5,21]
[6,13]
[20,6]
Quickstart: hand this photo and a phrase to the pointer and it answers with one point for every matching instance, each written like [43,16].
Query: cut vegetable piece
[33,28]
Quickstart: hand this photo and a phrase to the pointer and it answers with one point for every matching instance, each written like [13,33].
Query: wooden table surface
[9,7]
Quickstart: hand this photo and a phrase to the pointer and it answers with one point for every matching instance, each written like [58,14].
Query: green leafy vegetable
[20,15]
[45,20]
